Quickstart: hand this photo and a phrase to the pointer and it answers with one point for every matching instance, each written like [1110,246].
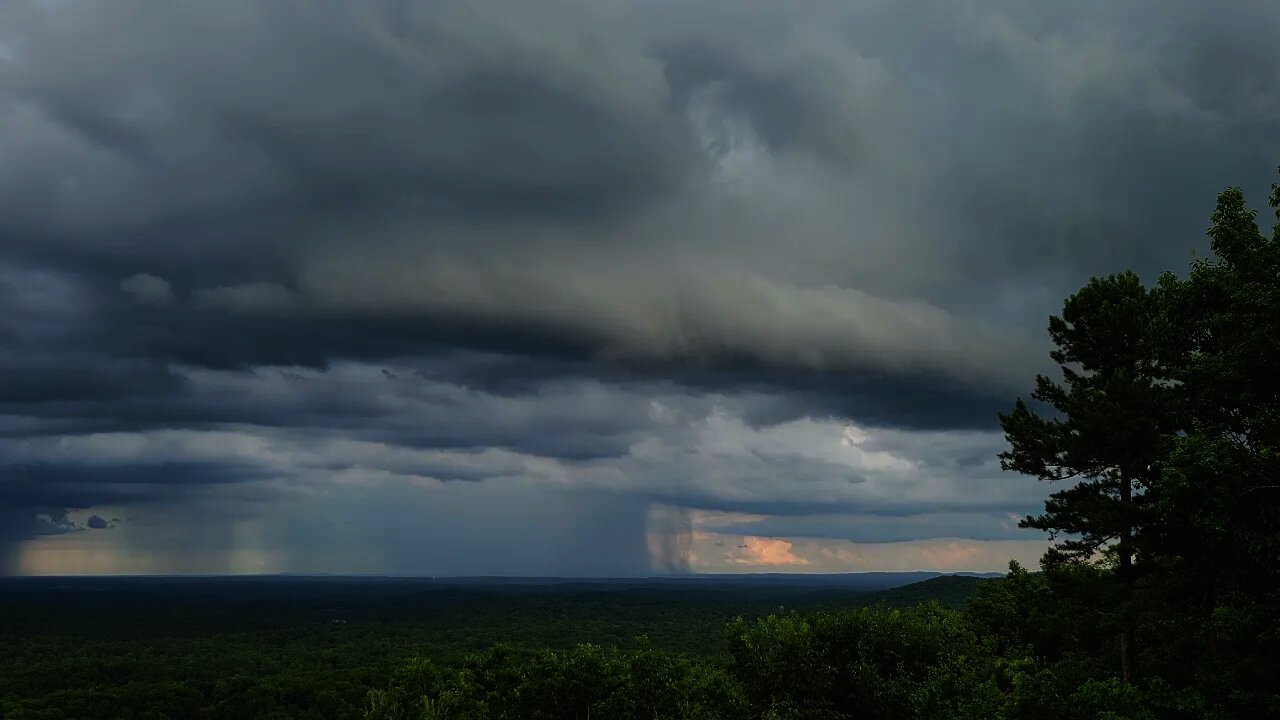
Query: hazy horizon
[567,578]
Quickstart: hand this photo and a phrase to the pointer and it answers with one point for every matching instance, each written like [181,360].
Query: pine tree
[1220,502]
[1108,430]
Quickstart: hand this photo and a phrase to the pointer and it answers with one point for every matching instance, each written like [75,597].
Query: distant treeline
[927,662]
[312,648]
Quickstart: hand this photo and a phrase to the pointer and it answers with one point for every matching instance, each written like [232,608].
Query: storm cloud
[778,260]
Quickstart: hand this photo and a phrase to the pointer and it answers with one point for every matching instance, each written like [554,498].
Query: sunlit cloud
[727,553]
[767,552]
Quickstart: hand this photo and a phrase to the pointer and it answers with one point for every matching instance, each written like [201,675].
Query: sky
[601,288]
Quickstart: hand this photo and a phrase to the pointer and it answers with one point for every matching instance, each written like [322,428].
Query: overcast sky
[577,288]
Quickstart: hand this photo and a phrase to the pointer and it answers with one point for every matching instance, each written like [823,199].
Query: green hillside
[951,591]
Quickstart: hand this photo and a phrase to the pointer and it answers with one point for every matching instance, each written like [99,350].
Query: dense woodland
[315,647]
[1159,438]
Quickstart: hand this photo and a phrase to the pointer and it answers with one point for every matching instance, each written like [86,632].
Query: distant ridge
[952,591]
[801,578]
[910,587]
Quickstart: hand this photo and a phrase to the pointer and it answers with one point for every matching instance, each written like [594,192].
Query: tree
[1109,429]
[1226,315]
[1221,481]
[867,663]
[1167,424]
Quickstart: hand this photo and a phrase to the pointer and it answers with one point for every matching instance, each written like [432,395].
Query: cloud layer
[779,261]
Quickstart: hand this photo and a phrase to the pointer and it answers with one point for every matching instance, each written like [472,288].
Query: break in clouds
[572,288]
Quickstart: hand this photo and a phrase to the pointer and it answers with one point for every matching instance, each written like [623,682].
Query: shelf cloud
[612,265]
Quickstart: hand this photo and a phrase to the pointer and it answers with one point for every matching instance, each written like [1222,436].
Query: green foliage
[1109,699]
[1221,496]
[316,648]
[872,663]
[1110,425]
[579,683]
[925,662]
[1168,424]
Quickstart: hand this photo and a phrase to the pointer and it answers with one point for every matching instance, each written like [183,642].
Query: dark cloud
[222,223]
[54,523]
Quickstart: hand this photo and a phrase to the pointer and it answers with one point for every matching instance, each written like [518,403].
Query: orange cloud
[717,552]
[769,551]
